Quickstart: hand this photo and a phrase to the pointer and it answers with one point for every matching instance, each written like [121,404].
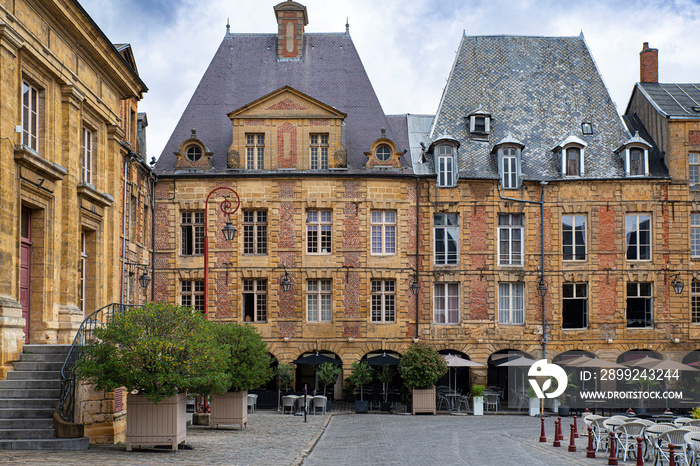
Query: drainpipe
[541,204]
[417,248]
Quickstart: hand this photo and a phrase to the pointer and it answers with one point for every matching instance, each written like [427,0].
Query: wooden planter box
[149,424]
[229,409]
[424,401]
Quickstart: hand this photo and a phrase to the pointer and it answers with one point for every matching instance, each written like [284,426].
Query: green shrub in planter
[248,360]
[478,390]
[285,375]
[361,374]
[159,350]
[327,374]
[421,366]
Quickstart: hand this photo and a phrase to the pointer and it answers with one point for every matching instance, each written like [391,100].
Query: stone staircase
[28,399]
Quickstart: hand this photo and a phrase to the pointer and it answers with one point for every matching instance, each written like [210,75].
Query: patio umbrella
[598,363]
[668,364]
[317,360]
[575,362]
[456,361]
[643,362]
[521,362]
[381,360]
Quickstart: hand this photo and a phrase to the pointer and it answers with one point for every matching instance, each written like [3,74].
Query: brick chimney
[291,19]
[648,64]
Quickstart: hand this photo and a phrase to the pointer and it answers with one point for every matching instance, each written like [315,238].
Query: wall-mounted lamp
[144,279]
[286,283]
[229,231]
[677,283]
[541,288]
[415,286]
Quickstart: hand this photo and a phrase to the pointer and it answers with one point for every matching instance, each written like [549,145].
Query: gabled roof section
[538,89]
[127,54]
[245,68]
[286,98]
[634,125]
[672,100]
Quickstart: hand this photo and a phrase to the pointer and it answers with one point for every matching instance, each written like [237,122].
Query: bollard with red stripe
[640,455]
[590,453]
[671,455]
[543,437]
[559,430]
[612,459]
[575,428]
[556,435]
[572,444]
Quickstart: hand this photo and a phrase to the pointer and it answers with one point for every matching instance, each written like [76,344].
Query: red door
[25,269]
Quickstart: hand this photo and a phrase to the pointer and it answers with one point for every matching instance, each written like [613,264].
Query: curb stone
[299,460]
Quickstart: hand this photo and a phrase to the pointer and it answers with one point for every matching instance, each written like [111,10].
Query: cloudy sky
[407,46]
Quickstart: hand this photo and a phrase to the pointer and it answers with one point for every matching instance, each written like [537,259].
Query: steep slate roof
[538,89]
[246,67]
[673,100]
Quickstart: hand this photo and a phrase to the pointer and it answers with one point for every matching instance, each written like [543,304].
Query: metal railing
[85,334]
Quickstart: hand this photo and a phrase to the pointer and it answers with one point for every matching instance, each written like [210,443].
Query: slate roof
[673,100]
[246,67]
[656,164]
[539,90]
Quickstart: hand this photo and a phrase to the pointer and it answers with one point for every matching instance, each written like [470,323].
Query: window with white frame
[509,169]
[479,125]
[318,231]
[573,229]
[254,300]
[574,310]
[192,294]
[30,116]
[694,170]
[511,303]
[87,155]
[446,303]
[319,299]
[255,232]
[510,239]
[639,305]
[573,161]
[383,301]
[446,165]
[695,235]
[192,233]
[318,151]
[446,237]
[383,232]
[83,271]
[638,233]
[255,151]
[695,301]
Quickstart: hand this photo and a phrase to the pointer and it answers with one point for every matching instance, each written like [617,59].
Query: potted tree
[157,352]
[478,399]
[361,374]
[534,402]
[285,376]
[327,374]
[248,366]
[385,374]
[421,367]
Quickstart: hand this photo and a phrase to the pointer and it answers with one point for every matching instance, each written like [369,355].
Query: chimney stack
[648,64]
[291,19]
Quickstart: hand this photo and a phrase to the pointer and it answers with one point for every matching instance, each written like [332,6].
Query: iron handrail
[102,316]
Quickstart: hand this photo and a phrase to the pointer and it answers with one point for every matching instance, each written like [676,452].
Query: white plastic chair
[651,435]
[491,401]
[252,402]
[600,433]
[289,402]
[627,434]
[692,439]
[682,421]
[320,402]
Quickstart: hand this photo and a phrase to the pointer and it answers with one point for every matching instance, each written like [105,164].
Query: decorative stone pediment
[286,103]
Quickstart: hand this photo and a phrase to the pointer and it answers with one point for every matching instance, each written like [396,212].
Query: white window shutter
[487,124]
[472,122]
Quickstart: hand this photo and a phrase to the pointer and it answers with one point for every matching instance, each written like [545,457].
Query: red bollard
[556,435]
[575,428]
[572,444]
[590,453]
[543,437]
[640,454]
[560,435]
[671,455]
[612,459]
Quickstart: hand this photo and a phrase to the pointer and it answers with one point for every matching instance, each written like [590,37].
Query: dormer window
[636,162]
[508,151]
[635,156]
[194,153]
[479,125]
[446,165]
[573,162]
[572,152]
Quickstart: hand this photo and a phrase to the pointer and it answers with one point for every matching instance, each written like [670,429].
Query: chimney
[291,19]
[648,64]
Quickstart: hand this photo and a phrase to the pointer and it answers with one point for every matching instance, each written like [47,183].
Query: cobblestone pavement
[498,440]
[270,439]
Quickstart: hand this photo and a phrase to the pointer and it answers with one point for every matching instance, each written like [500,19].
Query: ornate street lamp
[144,279]
[286,284]
[415,286]
[541,287]
[677,284]
[229,231]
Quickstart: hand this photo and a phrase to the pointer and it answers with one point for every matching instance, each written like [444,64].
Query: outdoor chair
[600,434]
[691,428]
[681,421]
[651,434]
[252,402]
[692,439]
[319,402]
[289,402]
[462,400]
[694,422]
[588,420]
[627,434]
[491,401]
[442,402]
[375,400]
[300,403]
[676,437]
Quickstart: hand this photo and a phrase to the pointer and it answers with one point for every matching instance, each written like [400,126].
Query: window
[192,294]
[30,116]
[574,312]
[254,300]
[509,173]
[510,303]
[255,151]
[383,301]
[639,305]
[636,162]
[318,231]
[83,270]
[694,170]
[319,151]
[586,128]
[695,301]
[446,233]
[194,153]
[255,232]
[510,243]
[446,169]
[383,232]
[319,297]
[638,237]
[145,230]
[87,156]
[694,235]
[383,153]
[479,125]
[573,229]
[192,229]
[446,303]
[573,161]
